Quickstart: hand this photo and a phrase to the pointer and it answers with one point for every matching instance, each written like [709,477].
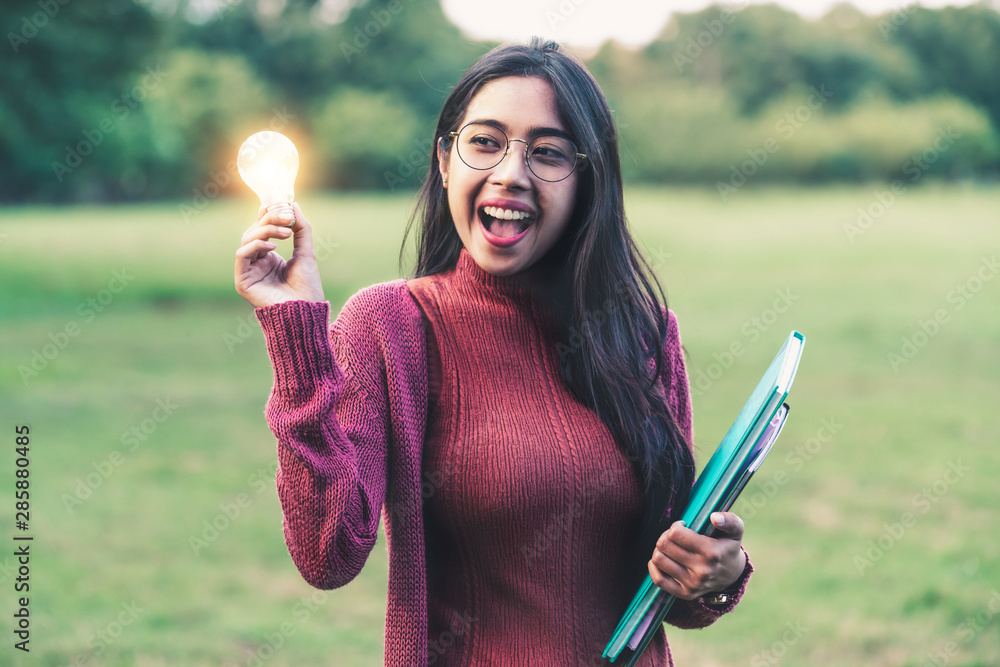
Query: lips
[504,222]
[502,233]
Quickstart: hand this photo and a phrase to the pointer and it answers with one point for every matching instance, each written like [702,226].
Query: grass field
[873,526]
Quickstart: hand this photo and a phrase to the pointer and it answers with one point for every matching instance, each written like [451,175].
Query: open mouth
[505,223]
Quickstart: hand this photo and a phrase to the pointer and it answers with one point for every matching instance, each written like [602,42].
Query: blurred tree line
[145,99]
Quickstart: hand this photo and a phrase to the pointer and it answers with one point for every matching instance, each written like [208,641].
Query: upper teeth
[506,214]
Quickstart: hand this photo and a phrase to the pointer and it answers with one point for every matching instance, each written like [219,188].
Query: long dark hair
[606,301]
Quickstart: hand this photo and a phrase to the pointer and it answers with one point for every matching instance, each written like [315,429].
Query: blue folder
[740,453]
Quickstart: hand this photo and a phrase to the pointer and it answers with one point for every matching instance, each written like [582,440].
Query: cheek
[452,201]
[460,198]
[454,187]
[561,203]
[462,191]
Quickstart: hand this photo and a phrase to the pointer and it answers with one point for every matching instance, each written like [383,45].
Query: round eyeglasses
[550,157]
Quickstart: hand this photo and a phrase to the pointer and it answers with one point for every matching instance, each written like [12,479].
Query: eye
[484,142]
[551,149]
[548,151]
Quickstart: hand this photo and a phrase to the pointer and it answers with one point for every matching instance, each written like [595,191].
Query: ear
[444,159]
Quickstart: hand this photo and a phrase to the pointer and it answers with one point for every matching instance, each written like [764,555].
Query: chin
[498,266]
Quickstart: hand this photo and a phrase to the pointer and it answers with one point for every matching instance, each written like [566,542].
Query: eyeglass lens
[550,157]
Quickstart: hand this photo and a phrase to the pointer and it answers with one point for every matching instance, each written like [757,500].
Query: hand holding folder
[741,452]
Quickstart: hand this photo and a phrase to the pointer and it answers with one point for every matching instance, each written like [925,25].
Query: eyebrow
[532,132]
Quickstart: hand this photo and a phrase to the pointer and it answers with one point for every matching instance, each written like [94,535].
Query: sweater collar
[522,285]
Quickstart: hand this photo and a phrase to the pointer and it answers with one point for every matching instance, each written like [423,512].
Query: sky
[588,23]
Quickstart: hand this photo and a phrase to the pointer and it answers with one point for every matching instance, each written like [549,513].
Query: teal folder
[740,453]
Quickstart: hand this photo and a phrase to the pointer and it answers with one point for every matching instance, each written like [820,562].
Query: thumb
[727,524]
[302,240]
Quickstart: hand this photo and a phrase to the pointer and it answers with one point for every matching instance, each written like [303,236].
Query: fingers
[262,276]
[675,579]
[256,240]
[271,224]
[685,575]
[679,539]
[250,252]
[687,564]
[303,242]
[674,562]
[265,231]
[685,580]
[279,215]
[728,525]
[668,574]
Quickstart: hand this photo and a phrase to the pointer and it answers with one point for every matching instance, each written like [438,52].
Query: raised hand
[262,276]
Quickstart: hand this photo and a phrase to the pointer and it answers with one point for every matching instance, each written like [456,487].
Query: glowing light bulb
[268,163]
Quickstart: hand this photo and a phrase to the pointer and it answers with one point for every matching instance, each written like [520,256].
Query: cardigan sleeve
[335,389]
[691,613]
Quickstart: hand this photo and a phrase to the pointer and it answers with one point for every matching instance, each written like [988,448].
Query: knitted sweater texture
[435,405]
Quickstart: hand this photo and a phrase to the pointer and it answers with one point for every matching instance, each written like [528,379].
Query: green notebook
[742,449]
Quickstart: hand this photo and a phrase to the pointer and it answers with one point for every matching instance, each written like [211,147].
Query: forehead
[518,102]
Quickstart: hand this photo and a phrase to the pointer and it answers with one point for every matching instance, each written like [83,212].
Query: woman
[518,410]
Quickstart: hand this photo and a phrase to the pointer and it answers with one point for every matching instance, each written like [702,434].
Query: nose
[512,172]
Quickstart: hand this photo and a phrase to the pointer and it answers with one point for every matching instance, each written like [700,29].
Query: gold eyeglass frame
[527,159]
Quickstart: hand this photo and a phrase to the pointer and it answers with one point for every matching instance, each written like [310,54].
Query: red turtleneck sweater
[507,505]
